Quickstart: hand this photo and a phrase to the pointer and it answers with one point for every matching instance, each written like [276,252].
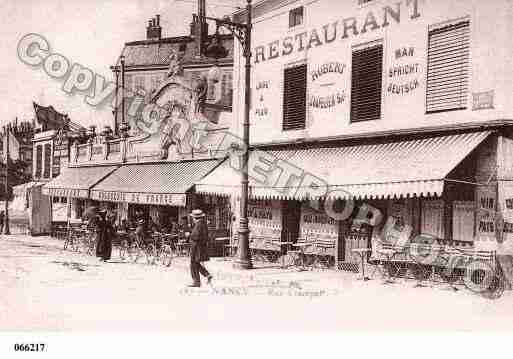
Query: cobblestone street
[46,288]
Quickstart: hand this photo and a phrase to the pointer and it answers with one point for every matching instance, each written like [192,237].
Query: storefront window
[432,221]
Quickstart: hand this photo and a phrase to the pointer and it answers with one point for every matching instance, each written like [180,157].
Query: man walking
[199,248]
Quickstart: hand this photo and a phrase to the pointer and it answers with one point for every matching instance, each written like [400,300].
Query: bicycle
[88,242]
[71,241]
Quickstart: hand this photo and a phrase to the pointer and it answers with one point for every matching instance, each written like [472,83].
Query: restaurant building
[377,114]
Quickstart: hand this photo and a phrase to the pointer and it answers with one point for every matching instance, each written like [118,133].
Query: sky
[88,32]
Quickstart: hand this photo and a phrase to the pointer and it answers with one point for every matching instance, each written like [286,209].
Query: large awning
[76,181]
[160,184]
[416,167]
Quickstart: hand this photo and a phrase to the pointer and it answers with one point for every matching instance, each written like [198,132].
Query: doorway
[291,218]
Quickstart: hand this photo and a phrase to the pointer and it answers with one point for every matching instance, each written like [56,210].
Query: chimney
[154,31]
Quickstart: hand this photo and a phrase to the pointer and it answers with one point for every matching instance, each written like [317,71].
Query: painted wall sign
[262,88]
[324,78]
[342,29]
[486,215]
[482,100]
[403,77]
[505,239]
[169,199]
[65,192]
[260,212]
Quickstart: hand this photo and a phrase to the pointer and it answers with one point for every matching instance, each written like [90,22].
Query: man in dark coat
[104,234]
[199,248]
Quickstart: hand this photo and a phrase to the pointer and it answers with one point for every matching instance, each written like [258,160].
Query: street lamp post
[242,31]
[6,219]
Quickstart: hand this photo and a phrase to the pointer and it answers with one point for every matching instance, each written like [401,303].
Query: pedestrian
[2,220]
[104,234]
[199,248]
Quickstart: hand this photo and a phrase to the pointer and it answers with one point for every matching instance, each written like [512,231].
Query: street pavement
[46,288]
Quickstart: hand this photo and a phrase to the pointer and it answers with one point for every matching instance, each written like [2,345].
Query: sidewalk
[223,269]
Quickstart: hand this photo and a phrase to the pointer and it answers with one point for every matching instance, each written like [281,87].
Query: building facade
[376,115]
[149,166]
[147,66]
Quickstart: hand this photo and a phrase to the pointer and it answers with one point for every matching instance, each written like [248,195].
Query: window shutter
[294,98]
[366,82]
[48,159]
[39,160]
[447,75]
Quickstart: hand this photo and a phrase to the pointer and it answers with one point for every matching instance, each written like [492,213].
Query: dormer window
[296,17]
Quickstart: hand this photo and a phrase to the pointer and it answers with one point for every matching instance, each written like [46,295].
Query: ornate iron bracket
[239,30]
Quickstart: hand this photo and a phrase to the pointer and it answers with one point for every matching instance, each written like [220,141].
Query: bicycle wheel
[150,253]
[134,253]
[166,256]
[123,250]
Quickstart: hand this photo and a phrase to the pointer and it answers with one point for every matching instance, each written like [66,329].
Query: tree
[17,175]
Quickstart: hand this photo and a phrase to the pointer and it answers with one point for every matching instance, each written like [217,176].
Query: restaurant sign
[65,192]
[164,199]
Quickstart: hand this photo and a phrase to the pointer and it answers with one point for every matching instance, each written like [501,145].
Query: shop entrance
[290,221]
[168,215]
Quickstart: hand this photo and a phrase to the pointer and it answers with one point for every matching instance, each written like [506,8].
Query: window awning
[159,184]
[416,167]
[76,181]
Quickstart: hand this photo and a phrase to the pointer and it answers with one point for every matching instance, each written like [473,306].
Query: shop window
[463,221]
[39,160]
[366,83]
[432,221]
[448,67]
[296,16]
[48,160]
[55,199]
[294,98]
[64,200]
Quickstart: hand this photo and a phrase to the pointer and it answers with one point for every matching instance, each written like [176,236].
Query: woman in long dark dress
[104,234]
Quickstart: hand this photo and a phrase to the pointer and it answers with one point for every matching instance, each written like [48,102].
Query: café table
[301,247]
[362,252]
[222,241]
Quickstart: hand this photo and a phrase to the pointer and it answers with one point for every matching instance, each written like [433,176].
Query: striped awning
[21,189]
[416,167]
[76,181]
[154,183]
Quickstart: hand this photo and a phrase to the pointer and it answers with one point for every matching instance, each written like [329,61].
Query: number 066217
[29,347]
